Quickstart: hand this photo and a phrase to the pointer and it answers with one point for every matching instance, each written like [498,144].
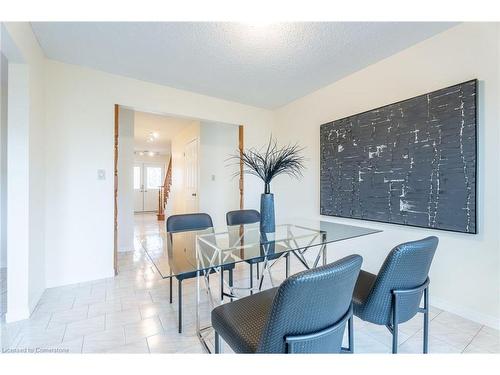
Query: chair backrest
[240,217]
[308,302]
[406,267]
[188,222]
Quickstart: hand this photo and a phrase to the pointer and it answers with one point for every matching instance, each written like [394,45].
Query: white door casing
[138,188]
[191,176]
[148,177]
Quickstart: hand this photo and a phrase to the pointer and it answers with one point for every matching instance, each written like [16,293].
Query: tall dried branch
[271,161]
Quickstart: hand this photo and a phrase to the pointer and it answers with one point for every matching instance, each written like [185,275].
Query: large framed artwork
[413,162]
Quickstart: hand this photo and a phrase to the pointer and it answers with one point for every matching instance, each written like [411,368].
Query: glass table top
[176,254]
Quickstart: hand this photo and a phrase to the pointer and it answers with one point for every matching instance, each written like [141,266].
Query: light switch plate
[101,174]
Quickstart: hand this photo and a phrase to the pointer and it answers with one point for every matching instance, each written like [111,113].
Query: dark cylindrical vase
[267,224]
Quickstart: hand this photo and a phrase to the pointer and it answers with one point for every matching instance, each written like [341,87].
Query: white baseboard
[16,315]
[58,283]
[475,316]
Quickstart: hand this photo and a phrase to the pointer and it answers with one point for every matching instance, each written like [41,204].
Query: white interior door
[148,177]
[138,188]
[191,176]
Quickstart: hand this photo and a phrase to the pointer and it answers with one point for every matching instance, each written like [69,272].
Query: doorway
[148,179]
[174,163]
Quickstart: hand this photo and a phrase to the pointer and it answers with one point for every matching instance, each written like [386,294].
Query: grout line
[64,334]
[470,342]
[48,322]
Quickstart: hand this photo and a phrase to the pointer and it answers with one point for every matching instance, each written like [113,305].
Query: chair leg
[251,278]
[426,320]
[231,283]
[287,265]
[350,334]
[222,284]
[395,339]
[170,289]
[180,306]
[217,343]
[394,325]
[258,270]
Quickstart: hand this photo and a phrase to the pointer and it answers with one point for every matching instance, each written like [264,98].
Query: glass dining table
[204,252]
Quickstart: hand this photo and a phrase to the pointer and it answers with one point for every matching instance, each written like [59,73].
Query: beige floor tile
[138,347]
[102,308]
[84,327]
[486,341]
[154,309]
[40,337]
[69,316]
[102,341]
[415,345]
[142,329]
[121,318]
[161,343]
[452,334]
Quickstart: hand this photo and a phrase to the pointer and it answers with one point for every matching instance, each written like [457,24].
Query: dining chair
[188,223]
[307,313]
[242,217]
[394,295]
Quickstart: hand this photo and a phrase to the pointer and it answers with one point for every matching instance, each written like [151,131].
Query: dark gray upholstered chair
[187,223]
[242,217]
[306,314]
[394,295]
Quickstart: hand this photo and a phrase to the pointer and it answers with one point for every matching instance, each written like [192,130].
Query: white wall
[3,159]
[153,159]
[26,171]
[219,189]
[465,274]
[79,117]
[125,180]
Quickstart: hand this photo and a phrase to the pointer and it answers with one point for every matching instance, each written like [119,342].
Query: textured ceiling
[261,65]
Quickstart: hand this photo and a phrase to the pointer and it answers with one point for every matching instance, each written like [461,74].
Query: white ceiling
[166,128]
[261,65]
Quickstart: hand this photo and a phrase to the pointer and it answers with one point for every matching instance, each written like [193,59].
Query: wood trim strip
[115,175]
[240,147]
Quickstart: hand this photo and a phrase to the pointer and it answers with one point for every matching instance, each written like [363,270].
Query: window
[153,177]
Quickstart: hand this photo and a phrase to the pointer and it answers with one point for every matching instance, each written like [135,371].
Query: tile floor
[130,313]
[3,292]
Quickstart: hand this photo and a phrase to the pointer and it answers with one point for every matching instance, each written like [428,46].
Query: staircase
[164,192]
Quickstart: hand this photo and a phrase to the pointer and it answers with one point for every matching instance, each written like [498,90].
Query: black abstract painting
[411,162]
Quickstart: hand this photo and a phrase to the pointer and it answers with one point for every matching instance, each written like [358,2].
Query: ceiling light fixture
[153,136]
[147,152]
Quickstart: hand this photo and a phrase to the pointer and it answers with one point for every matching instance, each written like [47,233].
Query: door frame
[195,140]
[143,167]
[115,174]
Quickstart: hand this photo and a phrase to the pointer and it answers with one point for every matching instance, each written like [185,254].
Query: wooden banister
[164,192]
